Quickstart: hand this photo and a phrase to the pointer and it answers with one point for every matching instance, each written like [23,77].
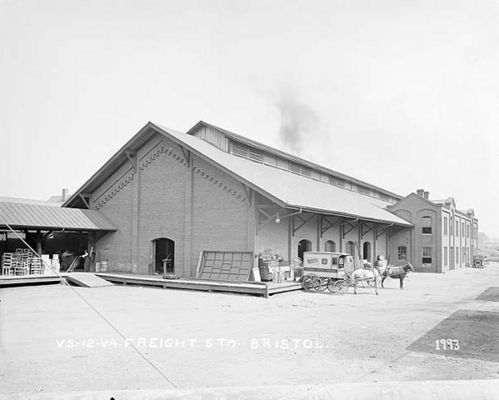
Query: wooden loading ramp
[86,279]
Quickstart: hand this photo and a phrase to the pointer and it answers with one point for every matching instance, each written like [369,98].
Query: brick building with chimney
[443,239]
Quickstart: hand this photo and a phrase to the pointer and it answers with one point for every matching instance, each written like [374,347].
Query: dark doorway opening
[303,246]
[164,251]
[366,251]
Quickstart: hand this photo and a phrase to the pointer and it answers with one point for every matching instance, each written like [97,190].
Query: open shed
[50,231]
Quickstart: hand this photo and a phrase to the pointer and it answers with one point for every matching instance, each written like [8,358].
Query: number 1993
[447,344]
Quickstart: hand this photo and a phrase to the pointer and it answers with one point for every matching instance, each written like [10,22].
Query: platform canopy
[44,217]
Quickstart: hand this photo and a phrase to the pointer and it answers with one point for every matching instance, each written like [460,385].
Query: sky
[401,94]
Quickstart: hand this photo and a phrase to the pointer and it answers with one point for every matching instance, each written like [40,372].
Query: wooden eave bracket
[363,232]
[248,193]
[85,197]
[352,226]
[187,155]
[329,224]
[303,221]
[268,217]
[132,158]
[381,231]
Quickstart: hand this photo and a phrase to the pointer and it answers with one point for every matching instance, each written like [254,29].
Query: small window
[402,253]
[462,228]
[306,171]
[427,259]
[339,182]
[384,197]
[324,261]
[363,190]
[316,175]
[457,228]
[282,164]
[239,150]
[269,160]
[426,225]
[330,246]
[255,155]
[294,168]
[335,260]
[446,223]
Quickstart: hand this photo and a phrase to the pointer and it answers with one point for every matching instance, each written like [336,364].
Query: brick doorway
[164,250]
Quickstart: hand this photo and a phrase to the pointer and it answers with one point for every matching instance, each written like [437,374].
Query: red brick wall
[220,213]
[114,200]
[162,194]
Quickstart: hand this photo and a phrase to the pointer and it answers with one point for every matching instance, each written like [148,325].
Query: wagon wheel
[341,287]
[321,284]
[311,282]
[331,285]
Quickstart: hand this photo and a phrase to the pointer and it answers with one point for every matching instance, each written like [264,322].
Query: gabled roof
[44,217]
[417,197]
[284,188]
[290,157]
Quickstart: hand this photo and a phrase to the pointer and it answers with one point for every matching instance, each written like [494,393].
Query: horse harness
[395,272]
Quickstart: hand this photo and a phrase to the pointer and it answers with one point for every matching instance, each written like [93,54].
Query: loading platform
[252,288]
[26,280]
[84,279]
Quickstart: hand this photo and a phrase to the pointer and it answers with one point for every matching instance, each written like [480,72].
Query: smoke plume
[299,123]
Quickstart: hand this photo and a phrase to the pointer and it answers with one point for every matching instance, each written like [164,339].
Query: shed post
[38,239]
[319,228]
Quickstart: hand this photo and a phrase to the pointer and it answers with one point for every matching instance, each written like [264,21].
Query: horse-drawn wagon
[327,270]
[338,271]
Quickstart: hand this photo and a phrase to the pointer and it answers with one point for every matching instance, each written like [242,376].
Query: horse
[368,273]
[397,272]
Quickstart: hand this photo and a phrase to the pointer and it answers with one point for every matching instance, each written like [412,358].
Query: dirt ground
[50,340]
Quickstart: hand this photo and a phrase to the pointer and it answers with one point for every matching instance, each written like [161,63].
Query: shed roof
[36,216]
[291,157]
[292,190]
[283,187]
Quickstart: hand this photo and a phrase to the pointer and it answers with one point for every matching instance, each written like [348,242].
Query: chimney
[420,192]
[65,193]
[426,195]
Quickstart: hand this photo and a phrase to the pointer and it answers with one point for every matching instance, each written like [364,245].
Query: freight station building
[171,195]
